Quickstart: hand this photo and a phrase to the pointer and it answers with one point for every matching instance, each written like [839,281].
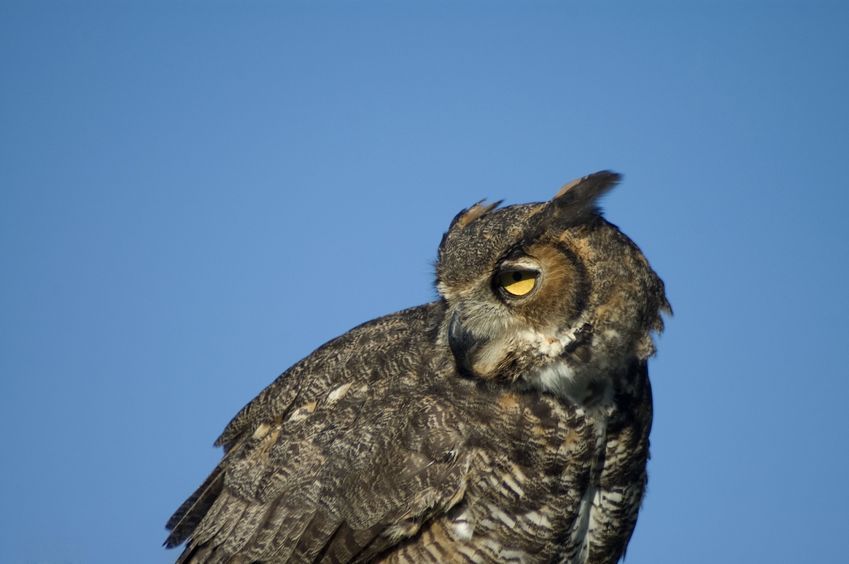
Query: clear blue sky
[195,195]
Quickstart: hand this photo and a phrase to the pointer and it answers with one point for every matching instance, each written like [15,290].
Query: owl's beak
[463,344]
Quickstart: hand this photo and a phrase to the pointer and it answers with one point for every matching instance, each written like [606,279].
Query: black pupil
[517,276]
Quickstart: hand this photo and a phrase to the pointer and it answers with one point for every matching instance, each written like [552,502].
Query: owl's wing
[340,481]
[332,462]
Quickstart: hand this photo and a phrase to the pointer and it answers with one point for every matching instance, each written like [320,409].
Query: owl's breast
[530,488]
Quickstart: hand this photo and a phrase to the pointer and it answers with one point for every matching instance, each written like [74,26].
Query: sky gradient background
[195,195]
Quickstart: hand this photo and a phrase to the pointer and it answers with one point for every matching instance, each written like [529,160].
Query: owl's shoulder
[352,357]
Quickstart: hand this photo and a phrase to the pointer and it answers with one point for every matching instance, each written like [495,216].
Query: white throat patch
[563,376]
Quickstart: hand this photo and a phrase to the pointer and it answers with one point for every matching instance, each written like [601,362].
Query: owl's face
[548,295]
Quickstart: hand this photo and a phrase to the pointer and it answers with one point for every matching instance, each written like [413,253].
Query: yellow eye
[518,282]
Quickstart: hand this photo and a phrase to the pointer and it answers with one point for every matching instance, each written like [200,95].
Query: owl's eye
[518,282]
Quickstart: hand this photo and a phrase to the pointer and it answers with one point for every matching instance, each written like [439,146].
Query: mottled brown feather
[391,444]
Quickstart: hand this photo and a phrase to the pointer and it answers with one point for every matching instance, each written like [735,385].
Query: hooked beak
[463,344]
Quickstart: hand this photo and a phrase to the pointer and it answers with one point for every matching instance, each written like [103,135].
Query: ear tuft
[578,198]
[468,215]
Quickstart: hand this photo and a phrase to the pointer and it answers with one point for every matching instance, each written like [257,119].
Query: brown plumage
[506,421]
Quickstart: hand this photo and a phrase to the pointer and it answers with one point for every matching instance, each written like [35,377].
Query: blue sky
[195,195]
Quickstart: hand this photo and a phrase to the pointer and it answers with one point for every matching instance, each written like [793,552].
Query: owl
[506,421]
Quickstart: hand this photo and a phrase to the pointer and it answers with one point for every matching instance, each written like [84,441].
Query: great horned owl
[506,421]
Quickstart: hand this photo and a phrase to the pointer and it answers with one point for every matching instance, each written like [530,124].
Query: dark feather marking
[305,548]
[263,532]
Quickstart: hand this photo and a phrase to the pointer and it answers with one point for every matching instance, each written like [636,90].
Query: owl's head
[548,295]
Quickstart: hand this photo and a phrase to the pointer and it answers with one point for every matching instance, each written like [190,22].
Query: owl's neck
[579,386]
[585,373]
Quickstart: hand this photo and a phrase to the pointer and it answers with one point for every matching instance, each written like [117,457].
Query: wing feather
[331,462]
[187,517]
[332,491]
